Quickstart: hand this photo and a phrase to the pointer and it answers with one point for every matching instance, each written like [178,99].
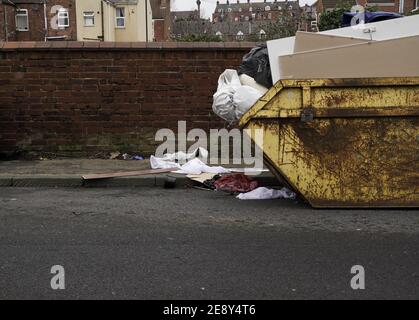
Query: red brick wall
[84,99]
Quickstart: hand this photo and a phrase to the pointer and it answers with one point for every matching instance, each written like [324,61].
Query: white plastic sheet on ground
[232,99]
[263,193]
[193,166]
[196,166]
[170,160]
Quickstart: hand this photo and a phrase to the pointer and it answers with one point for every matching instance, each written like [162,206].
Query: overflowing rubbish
[263,193]
[232,99]
[256,65]
[387,30]
[235,182]
[137,158]
[249,81]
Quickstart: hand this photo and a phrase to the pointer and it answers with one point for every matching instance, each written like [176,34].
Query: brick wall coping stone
[86,45]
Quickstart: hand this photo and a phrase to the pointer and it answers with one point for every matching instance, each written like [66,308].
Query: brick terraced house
[38,20]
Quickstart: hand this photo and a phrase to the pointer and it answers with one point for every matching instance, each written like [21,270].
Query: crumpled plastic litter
[182,156]
[193,166]
[235,182]
[263,193]
[196,166]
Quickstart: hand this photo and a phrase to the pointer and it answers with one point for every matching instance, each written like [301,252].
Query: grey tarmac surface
[151,243]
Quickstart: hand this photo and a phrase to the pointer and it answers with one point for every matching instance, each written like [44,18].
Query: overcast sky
[208,6]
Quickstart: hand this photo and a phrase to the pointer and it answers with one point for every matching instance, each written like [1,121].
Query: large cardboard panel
[384,30]
[388,58]
[308,41]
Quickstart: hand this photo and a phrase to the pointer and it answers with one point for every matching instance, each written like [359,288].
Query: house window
[22,22]
[89,18]
[417,4]
[63,18]
[120,17]
[240,36]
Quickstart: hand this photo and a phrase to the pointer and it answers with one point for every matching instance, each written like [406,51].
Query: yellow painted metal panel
[361,149]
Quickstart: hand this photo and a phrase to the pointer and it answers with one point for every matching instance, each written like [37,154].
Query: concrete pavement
[68,173]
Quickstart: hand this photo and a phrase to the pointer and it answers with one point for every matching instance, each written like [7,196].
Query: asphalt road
[193,244]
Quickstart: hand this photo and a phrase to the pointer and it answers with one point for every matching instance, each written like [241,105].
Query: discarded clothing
[263,193]
[236,182]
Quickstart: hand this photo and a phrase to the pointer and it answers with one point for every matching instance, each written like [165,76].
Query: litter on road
[263,193]
[235,182]
[194,166]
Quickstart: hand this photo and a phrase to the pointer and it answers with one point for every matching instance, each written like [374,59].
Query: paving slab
[68,173]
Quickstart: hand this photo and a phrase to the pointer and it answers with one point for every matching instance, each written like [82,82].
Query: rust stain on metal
[351,156]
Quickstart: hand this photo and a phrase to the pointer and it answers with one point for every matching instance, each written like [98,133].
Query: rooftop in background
[123,1]
[240,6]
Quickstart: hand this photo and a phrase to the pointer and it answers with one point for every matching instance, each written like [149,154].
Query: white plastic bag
[232,99]
[249,81]
[244,98]
[263,193]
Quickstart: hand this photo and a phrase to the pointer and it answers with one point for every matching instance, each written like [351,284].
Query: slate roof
[274,6]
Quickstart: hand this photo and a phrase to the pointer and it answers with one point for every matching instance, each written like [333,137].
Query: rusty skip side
[358,146]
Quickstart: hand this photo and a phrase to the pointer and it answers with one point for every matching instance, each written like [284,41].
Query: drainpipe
[146,20]
[6,23]
[401,6]
[103,21]
[6,32]
[45,21]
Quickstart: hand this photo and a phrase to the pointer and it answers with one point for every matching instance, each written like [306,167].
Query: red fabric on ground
[236,182]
